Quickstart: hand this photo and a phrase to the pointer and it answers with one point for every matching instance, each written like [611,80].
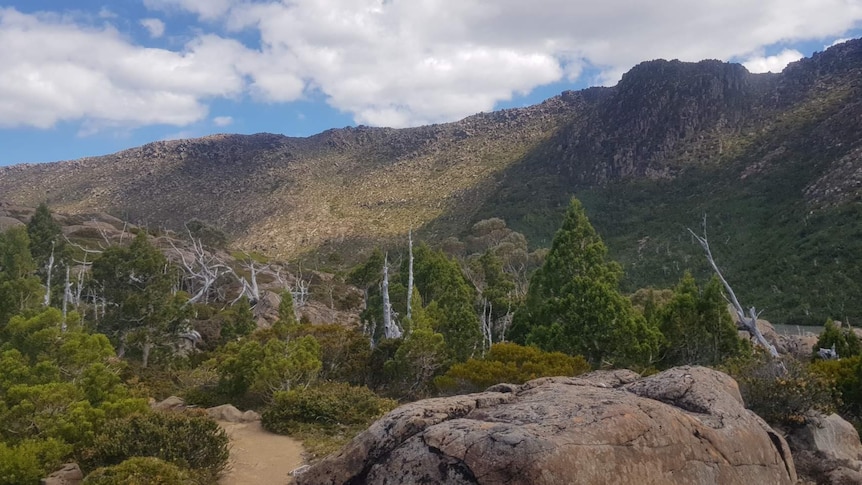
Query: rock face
[686,425]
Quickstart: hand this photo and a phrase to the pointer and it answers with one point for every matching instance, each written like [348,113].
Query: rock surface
[230,414]
[172,403]
[686,425]
[68,474]
[827,449]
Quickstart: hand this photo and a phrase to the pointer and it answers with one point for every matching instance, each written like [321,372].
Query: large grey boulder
[687,425]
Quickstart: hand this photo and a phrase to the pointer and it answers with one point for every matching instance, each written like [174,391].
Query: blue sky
[93,77]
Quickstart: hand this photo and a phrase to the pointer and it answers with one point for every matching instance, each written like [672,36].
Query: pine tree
[574,306]
[696,325]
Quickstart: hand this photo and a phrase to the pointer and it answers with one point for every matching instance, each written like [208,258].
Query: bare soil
[258,456]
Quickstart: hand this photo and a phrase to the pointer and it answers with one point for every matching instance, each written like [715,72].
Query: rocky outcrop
[686,425]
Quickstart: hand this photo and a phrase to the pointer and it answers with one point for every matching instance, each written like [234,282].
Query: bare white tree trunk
[410,276]
[749,322]
[48,283]
[487,324]
[67,293]
[390,328]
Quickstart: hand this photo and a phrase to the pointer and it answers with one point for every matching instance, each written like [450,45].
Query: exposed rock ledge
[685,425]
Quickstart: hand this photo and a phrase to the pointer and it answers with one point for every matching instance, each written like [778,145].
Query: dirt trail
[258,457]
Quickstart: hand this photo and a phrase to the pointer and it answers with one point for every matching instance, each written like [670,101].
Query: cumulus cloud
[55,71]
[387,62]
[155,27]
[775,63]
[223,121]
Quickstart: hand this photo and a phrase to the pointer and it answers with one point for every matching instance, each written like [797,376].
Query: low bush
[332,404]
[510,363]
[780,390]
[189,440]
[30,460]
[140,471]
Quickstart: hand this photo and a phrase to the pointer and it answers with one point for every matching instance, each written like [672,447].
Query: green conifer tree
[574,306]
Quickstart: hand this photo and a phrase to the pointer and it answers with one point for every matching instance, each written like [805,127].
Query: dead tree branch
[748,322]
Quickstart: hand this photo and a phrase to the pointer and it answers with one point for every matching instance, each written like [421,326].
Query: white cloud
[155,27]
[223,120]
[58,71]
[775,63]
[387,62]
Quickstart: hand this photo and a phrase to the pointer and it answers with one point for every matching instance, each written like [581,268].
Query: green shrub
[781,390]
[189,440]
[846,374]
[30,460]
[332,405]
[844,339]
[140,471]
[510,363]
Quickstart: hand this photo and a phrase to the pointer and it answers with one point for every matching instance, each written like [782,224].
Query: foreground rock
[686,425]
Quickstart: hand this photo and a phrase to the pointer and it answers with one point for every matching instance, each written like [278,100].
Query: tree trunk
[410,277]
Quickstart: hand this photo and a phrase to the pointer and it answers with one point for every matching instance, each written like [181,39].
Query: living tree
[574,305]
[696,325]
[20,288]
[49,250]
[142,310]
[441,283]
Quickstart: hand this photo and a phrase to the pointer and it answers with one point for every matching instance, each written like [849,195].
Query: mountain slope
[773,160]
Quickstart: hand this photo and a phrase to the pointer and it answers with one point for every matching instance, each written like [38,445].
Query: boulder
[68,474]
[828,449]
[9,223]
[229,413]
[172,403]
[686,425]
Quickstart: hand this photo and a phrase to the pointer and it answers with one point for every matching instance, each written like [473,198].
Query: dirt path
[258,456]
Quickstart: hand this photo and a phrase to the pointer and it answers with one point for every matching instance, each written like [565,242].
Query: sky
[93,77]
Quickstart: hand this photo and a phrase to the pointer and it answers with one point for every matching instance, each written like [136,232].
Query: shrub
[844,339]
[846,374]
[331,405]
[510,363]
[782,390]
[189,440]
[30,460]
[140,471]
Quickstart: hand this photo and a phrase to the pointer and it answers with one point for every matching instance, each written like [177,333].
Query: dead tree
[202,271]
[390,328]
[410,276]
[47,300]
[749,322]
